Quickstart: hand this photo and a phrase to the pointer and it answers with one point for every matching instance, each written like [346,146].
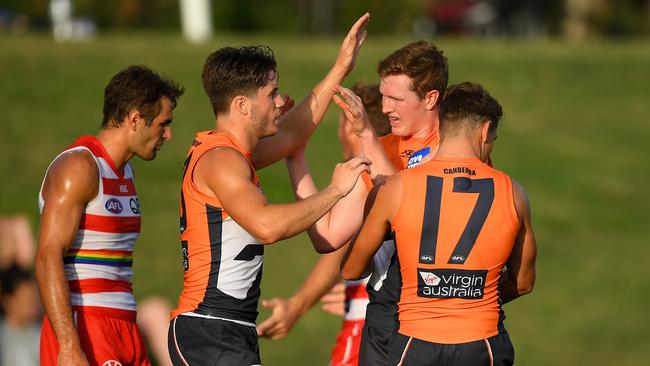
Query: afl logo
[114,206]
[112,363]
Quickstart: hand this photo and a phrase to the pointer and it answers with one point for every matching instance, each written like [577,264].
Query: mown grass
[574,135]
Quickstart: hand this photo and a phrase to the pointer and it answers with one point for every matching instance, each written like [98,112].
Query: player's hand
[288,104]
[353,109]
[345,175]
[71,356]
[334,301]
[285,315]
[347,56]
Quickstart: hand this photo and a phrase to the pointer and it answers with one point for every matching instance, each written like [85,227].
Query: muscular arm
[71,182]
[286,312]
[521,264]
[224,173]
[371,148]
[338,225]
[381,206]
[300,122]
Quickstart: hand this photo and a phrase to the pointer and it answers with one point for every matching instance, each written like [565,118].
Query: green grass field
[575,135]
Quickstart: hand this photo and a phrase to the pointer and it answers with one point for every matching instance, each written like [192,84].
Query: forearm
[321,279]
[338,225]
[55,295]
[373,150]
[287,220]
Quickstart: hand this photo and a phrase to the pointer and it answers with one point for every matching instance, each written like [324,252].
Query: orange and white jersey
[454,230]
[221,260]
[98,265]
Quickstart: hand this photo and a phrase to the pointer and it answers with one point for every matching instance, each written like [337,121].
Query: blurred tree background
[573,18]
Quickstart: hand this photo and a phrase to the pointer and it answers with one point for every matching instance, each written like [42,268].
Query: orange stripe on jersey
[110,224]
[454,232]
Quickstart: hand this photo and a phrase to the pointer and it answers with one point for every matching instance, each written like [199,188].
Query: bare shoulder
[223,159]
[75,174]
[521,199]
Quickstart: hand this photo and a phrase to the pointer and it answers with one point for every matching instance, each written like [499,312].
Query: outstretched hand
[352,106]
[285,315]
[347,56]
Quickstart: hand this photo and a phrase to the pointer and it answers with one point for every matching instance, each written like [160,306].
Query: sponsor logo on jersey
[419,157]
[134,203]
[451,283]
[112,363]
[114,206]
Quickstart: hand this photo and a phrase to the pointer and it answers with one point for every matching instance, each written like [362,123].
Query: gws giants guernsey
[98,263]
[222,262]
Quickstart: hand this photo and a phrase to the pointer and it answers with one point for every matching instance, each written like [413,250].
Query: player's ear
[431,99]
[485,131]
[240,104]
[133,118]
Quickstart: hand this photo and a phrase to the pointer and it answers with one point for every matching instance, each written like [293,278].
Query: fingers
[360,24]
[357,161]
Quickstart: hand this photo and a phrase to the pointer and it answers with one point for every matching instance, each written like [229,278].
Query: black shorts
[200,341]
[493,351]
[373,350]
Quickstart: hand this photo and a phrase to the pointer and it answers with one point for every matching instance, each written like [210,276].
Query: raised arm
[301,121]
[71,182]
[338,225]
[355,114]
[521,264]
[224,173]
[381,206]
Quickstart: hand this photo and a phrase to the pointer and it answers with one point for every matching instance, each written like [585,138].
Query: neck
[239,132]
[113,140]
[459,147]
[429,125]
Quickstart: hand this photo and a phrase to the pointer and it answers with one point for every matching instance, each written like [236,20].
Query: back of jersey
[454,230]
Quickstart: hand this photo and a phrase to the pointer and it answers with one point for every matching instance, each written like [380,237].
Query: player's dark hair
[137,87]
[371,98]
[423,63]
[466,106]
[231,71]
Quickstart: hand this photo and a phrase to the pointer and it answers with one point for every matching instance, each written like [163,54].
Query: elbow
[349,274]
[266,233]
[526,287]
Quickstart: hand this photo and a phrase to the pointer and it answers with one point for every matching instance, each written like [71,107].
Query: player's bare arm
[224,173]
[301,121]
[286,312]
[71,182]
[381,205]
[338,225]
[521,264]
[356,115]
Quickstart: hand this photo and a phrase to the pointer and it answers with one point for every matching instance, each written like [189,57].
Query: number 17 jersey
[454,231]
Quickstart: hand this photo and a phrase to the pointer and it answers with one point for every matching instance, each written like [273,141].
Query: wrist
[336,191]
[299,303]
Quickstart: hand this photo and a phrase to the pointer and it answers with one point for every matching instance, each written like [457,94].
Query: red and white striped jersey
[98,265]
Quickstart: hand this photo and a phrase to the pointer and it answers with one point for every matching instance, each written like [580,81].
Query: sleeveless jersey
[98,263]
[385,282]
[454,230]
[222,262]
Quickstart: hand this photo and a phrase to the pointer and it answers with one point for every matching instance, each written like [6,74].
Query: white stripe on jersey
[95,240]
[84,271]
[236,276]
[116,300]
[357,309]
[381,261]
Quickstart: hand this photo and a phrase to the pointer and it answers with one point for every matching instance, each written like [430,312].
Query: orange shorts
[346,349]
[105,340]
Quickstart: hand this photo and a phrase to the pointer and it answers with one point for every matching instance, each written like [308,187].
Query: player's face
[405,110]
[151,138]
[265,111]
